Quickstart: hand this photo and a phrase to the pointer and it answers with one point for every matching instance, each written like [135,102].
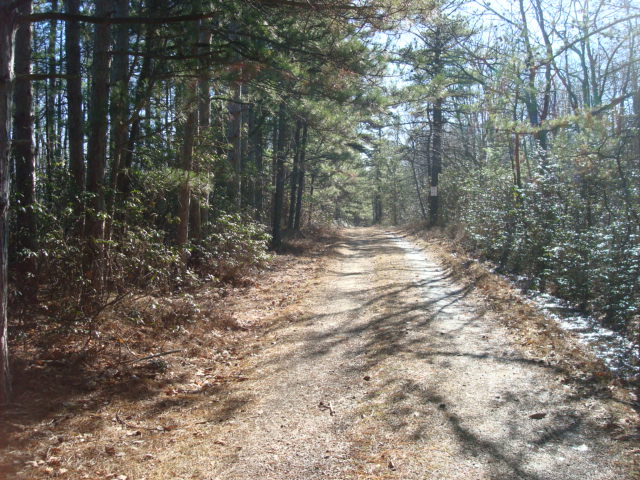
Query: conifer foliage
[152,144]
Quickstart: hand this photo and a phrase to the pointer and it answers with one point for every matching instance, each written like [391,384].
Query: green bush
[556,229]
[232,246]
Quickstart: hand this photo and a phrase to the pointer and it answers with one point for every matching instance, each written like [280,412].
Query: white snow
[619,354]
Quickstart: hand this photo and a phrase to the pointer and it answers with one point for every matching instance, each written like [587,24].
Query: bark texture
[97,148]
[7,33]
[301,174]
[278,199]
[184,196]
[75,120]
[24,158]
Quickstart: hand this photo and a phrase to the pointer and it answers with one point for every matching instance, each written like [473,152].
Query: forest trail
[396,372]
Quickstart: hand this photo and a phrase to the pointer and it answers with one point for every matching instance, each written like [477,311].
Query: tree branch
[67,17]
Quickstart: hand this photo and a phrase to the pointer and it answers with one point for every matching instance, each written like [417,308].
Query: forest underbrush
[140,354]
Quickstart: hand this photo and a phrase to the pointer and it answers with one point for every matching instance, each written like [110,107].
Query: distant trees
[437,62]
[148,137]
[539,144]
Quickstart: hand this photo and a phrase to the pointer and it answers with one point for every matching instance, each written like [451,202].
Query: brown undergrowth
[539,337]
[84,404]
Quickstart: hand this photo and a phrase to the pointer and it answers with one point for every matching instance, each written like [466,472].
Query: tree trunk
[75,120]
[303,153]
[184,195]
[295,173]
[530,99]
[377,198]
[278,199]
[516,157]
[436,162]
[244,144]
[25,161]
[377,194]
[7,29]
[204,122]
[119,114]
[235,140]
[97,146]
[259,161]
[251,176]
[311,187]
[141,100]
[395,205]
[416,182]
[274,149]
[377,204]
[52,148]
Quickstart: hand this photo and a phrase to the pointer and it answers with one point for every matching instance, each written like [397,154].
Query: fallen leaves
[134,419]
[167,428]
[51,466]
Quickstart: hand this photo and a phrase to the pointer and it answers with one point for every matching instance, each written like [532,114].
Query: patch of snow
[581,448]
[620,355]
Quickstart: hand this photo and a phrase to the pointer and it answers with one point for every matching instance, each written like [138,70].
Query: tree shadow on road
[401,319]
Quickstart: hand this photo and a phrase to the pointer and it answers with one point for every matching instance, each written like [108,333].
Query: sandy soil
[397,372]
[387,369]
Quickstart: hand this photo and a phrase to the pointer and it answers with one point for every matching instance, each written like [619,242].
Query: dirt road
[387,370]
[396,372]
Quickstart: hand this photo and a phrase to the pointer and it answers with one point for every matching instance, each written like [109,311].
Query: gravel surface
[395,371]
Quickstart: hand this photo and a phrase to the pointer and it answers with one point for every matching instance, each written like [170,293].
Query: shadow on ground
[395,319]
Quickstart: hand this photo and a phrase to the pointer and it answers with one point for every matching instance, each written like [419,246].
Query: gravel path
[394,371]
